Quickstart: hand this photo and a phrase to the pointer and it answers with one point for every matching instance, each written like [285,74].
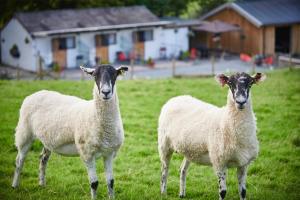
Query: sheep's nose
[105,92]
[240,102]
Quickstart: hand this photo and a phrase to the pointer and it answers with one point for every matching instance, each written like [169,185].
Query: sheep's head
[105,78]
[240,84]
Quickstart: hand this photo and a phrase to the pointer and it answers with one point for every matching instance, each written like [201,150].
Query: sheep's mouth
[240,107]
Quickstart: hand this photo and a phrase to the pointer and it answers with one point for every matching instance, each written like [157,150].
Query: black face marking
[94,185]
[105,74]
[243,193]
[111,184]
[223,194]
[240,85]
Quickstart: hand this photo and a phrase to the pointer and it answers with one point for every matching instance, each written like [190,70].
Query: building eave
[98,28]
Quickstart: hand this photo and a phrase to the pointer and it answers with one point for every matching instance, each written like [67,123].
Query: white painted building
[73,37]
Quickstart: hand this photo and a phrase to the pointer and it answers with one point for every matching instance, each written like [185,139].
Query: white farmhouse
[89,36]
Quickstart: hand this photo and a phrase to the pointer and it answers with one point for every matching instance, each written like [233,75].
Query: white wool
[206,134]
[58,120]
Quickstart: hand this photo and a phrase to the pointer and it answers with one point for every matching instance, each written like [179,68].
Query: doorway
[282,39]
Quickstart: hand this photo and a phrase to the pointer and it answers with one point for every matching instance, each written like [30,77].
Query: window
[106,39]
[143,36]
[67,43]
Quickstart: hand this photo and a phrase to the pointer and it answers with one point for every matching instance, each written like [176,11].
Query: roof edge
[18,20]
[238,9]
[98,28]
[248,16]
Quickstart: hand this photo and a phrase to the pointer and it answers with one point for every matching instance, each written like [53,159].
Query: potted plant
[150,62]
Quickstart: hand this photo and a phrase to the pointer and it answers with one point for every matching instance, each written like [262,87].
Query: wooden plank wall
[231,41]
[269,40]
[295,39]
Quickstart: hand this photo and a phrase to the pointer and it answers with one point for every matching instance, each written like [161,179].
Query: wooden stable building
[267,27]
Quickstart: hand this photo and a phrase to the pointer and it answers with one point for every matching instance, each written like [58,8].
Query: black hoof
[181,196]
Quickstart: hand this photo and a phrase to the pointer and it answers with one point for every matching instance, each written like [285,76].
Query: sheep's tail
[163,144]
[23,132]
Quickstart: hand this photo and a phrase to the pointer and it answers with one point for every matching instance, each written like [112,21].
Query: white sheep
[72,126]
[208,135]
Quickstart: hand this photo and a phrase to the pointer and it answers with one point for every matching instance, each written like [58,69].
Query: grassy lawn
[274,175]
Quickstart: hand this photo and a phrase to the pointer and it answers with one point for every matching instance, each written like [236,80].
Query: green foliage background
[185,8]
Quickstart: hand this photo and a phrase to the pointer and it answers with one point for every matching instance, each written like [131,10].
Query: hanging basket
[14,51]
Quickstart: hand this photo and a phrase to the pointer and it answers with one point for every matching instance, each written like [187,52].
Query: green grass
[274,175]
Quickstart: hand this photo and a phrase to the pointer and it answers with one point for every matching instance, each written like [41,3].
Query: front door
[101,50]
[59,55]
[139,45]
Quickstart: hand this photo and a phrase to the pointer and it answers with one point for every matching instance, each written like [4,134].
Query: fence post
[18,72]
[173,67]
[213,63]
[253,64]
[132,68]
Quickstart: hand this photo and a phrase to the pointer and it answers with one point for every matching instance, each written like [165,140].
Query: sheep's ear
[122,69]
[222,79]
[89,71]
[259,77]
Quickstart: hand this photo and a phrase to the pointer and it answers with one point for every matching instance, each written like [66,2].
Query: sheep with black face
[72,126]
[208,135]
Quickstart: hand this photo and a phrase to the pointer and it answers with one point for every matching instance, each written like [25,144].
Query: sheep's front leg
[183,171]
[91,168]
[241,175]
[43,164]
[108,164]
[222,183]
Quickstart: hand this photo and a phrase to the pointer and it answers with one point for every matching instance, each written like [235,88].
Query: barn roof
[92,19]
[264,12]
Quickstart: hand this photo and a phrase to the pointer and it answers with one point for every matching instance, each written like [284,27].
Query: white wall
[175,41]
[124,43]
[15,33]
[87,41]
[43,46]
[152,47]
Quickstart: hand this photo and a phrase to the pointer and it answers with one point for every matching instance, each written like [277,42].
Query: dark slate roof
[55,21]
[273,12]
[264,12]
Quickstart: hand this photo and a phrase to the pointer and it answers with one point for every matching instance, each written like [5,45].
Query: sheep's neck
[237,118]
[106,110]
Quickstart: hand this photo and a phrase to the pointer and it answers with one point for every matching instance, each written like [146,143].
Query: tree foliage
[187,8]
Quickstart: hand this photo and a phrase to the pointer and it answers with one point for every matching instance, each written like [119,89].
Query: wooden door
[59,56]
[101,51]
[139,48]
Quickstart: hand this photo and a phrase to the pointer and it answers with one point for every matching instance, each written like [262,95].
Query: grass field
[274,175]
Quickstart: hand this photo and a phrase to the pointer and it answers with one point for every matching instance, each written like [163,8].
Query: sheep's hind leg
[241,175]
[43,164]
[108,164]
[22,152]
[165,157]
[183,171]
[222,183]
[91,168]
